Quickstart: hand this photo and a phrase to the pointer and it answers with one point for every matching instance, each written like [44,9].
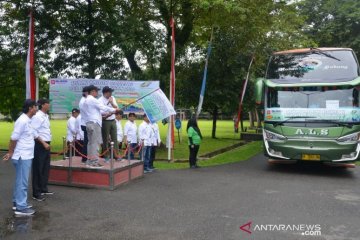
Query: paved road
[206,203]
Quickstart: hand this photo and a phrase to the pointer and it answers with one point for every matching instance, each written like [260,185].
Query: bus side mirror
[259,92]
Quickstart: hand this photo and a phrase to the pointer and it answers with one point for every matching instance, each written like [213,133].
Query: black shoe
[47,193]
[193,166]
[39,198]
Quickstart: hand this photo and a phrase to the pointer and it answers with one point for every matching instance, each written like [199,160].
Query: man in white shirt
[21,152]
[156,141]
[41,163]
[108,129]
[146,135]
[79,136]
[119,130]
[130,135]
[93,108]
[71,128]
[85,93]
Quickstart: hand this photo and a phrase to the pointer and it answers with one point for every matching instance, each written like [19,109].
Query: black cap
[92,87]
[27,104]
[107,89]
[75,110]
[120,112]
[42,101]
[85,89]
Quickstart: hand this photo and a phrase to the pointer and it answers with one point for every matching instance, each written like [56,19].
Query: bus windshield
[316,102]
[314,66]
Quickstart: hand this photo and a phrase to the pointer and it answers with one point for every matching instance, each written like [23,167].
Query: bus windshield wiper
[348,125]
[321,52]
[288,118]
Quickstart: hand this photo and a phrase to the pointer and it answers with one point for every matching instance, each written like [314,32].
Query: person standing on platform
[108,129]
[85,93]
[79,136]
[156,141]
[120,134]
[21,153]
[93,108]
[146,135]
[71,128]
[41,163]
[130,135]
[195,137]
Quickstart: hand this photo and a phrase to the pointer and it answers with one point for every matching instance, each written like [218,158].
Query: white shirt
[130,130]
[119,130]
[71,129]
[106,102]
[156,137]
[81,107]
[41,124]
[79,131]
[92,108]
[146,133]
[24,134]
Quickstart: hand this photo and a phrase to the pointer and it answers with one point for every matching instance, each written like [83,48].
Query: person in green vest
[195,137]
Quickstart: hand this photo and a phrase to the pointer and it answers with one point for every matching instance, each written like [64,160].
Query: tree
[332,23]
[12,75]
[242,30]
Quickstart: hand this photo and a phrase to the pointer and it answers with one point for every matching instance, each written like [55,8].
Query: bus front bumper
[312,150]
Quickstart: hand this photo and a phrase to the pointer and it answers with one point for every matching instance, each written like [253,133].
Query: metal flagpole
[243,93]
[29,70]
[172,90]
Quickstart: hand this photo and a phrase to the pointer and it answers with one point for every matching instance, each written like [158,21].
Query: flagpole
[124,107]
[172,90]
[243,93]
[37,89]
[30,62]
[203,86]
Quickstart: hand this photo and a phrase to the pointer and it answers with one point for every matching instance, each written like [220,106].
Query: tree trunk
[215,115]
[135,69]
[258,120]
[251,119]
[242,123]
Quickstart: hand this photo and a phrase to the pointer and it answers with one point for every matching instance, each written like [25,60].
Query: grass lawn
[239,154]
[224,132]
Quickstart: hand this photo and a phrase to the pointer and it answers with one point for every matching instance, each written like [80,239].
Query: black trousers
[79,148]
[152,156]
[193,154]
[40,169]
[86,140]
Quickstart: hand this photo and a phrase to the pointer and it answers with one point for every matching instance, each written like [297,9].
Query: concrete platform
[110,176]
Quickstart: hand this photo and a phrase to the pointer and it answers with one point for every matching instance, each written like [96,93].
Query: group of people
[98,122]
[29,149]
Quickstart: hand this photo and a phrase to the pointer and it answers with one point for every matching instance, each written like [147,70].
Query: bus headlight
[351,138]
[270,136]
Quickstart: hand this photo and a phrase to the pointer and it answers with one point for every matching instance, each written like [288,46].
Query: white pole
[37,88]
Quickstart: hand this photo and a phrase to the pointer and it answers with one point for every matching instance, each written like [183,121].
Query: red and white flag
[30,72]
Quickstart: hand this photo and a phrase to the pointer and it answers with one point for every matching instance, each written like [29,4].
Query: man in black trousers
[41,163]
[85,93]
